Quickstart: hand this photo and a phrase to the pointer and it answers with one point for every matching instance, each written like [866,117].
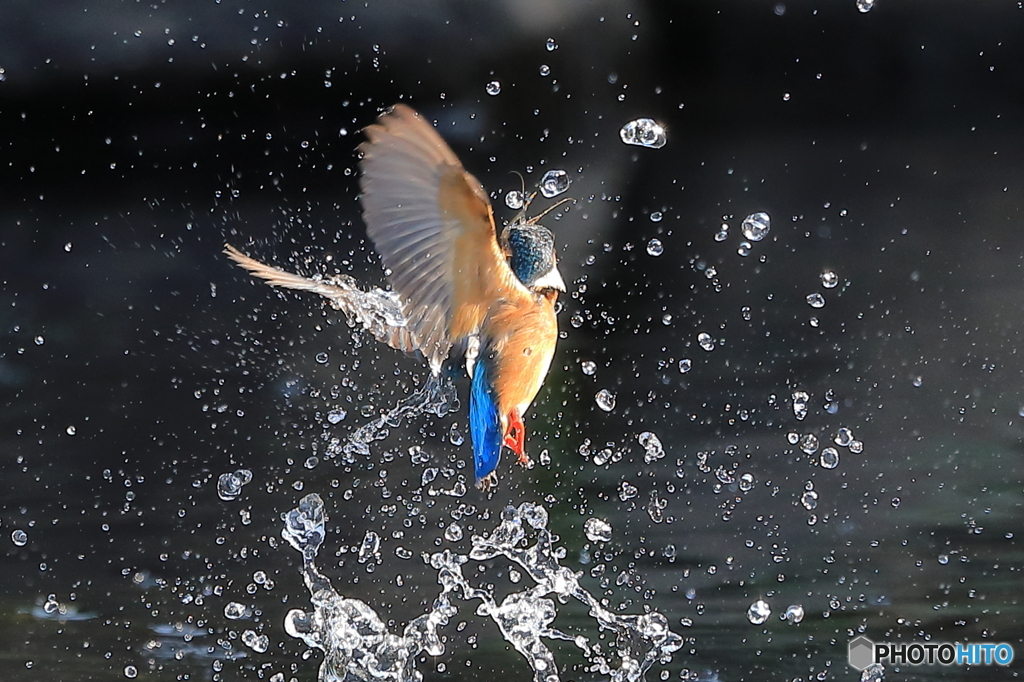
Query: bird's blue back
[484,421]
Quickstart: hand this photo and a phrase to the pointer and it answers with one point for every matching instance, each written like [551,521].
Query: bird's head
[531,252]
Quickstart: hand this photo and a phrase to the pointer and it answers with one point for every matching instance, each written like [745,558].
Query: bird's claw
[515,437]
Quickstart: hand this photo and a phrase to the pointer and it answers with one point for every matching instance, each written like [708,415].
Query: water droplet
[829,458]
[844,437]
[597,530]
[705,341]
[229,486]
[515,200]
[71,430]
[816,300]
[131,672]
[794,613]
[336,415]
[876,671]
[67,247]
[723,232]
[895,502]
[809,443]
[657,216]
[370,547]
[744,248]
[756,226]
[627,491]
[553,183]
[759,612]
[809,500]
[545,70]
[233,610]
[19,538]
[943,559]
[829,279]
[864,6]
[493,88]
[655,247]
[322,358]
[644,132]
[685,365]
[800,400]
[258,643]
[453,533]
[856,447]
[653,449]
[551,45]
[39,340]
[747,482]
[605,400]
[588,367]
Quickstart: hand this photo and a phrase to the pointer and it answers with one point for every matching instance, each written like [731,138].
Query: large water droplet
[229,486]
[759,612]
[655,247]
[844,437]
[258,643]
[756,226]
[800,399]
[653,449]
[553,183]
[705,341]
[809,443]
[597,529]
[233,610]
[493,88]
[644,132]
[829,458]
[685,365]
[515,200]
[864,6]
[605,400]
[794,613]
[829,279]
[816,300]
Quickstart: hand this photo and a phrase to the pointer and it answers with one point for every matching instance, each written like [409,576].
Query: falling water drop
[644,132]
[553,183]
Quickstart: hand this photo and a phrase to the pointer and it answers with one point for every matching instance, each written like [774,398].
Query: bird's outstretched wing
[377,311]
[432,224]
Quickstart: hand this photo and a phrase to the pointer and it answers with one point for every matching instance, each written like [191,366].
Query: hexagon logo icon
[861,652]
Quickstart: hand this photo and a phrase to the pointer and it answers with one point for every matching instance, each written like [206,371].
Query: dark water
[137,365]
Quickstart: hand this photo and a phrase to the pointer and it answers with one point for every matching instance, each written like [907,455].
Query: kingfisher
[457,286]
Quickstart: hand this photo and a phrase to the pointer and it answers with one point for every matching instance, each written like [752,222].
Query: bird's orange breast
[523,337]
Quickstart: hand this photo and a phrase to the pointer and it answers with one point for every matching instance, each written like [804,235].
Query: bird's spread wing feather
[432,224]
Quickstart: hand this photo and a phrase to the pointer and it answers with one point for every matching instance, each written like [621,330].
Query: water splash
[438,397]
[358,646]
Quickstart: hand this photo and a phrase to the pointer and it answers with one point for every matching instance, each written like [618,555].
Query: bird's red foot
[515,436]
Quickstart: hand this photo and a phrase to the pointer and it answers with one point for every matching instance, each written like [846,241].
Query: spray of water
[357,645]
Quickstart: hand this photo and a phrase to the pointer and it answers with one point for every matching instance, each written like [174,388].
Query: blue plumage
[484,422]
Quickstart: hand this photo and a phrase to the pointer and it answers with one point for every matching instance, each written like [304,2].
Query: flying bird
[457,286]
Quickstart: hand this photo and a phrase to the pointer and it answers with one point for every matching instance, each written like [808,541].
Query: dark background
[137,365]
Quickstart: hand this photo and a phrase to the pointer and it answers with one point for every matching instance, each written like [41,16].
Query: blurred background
[137,364]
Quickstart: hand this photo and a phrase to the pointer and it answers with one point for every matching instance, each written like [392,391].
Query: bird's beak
[551,280]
